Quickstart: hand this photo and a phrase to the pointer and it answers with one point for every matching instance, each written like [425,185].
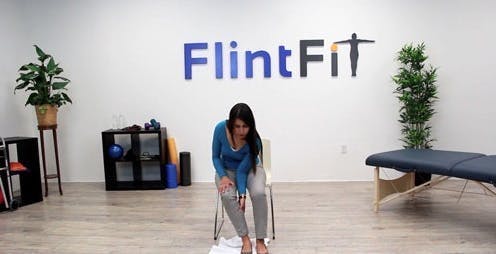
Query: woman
[235,148]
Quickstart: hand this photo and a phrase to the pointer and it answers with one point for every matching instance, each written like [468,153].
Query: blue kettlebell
[155,124]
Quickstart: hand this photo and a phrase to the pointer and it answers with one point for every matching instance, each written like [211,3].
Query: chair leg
[217,230]
[272,213]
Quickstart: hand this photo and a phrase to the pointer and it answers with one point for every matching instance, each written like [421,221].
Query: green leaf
[33,67]
[42,56]
[23,68]
[51,65]
[62,78]
[59,85]
[66,97]
[21,86]
[58,70]
[39,52]
[32,99]
[27,76]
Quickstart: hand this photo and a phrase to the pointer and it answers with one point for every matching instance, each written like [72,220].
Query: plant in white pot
[46,88]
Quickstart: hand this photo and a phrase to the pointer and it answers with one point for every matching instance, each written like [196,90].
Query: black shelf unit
[30,179]
[135,159]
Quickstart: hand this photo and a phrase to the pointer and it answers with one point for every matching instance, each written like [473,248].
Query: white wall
[13,122]
[126,57]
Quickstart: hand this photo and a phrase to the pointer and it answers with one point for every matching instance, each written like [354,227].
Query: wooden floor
[310,218]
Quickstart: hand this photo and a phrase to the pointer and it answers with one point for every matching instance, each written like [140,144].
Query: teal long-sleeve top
[225,157]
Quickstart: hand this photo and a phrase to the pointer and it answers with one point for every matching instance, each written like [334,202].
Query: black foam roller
[185,164]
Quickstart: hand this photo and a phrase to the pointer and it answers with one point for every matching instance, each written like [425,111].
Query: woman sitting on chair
[235,148]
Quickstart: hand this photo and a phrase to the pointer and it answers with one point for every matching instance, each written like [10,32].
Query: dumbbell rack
[10,202]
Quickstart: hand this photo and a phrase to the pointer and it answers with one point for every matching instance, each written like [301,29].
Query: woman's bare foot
[247,248]
[261,248]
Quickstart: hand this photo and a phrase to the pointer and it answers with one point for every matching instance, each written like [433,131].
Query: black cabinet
[30,179]
[142,165]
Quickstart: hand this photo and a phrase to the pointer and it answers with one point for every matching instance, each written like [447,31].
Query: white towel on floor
[232,246]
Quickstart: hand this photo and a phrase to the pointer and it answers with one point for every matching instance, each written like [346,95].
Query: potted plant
[417,92]
[46,88]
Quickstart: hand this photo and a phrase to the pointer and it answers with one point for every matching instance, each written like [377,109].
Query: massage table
[471,166]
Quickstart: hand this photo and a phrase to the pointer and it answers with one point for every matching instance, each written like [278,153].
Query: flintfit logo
[283,55]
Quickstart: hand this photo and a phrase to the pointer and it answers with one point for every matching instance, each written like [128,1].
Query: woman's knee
[228,194]
[257,193]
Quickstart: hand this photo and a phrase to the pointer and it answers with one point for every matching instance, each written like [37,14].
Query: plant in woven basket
[42,81]
[417,93]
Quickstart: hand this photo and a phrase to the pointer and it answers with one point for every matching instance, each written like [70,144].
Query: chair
[266,162]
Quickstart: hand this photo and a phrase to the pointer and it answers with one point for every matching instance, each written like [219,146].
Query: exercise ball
[115,151]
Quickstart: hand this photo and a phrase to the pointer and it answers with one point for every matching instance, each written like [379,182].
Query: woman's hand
[224,184]
[242,202]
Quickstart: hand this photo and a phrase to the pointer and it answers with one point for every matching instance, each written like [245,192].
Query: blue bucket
[171,175]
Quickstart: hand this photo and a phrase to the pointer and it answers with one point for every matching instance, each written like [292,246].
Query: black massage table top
[473,166]
[480,169]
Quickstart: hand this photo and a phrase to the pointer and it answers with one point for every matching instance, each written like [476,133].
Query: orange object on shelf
[17,166]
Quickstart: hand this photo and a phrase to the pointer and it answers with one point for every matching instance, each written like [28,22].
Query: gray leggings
[256,188]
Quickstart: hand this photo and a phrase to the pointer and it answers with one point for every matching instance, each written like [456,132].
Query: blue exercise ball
[115,151]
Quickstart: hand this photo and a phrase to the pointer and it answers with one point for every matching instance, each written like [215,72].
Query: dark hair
[243,112]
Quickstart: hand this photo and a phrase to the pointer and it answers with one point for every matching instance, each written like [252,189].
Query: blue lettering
[249,62]
[218,61]
[283,54]
[189,60]
[233,57]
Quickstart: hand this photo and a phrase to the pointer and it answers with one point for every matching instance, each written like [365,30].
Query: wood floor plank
[335,217]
